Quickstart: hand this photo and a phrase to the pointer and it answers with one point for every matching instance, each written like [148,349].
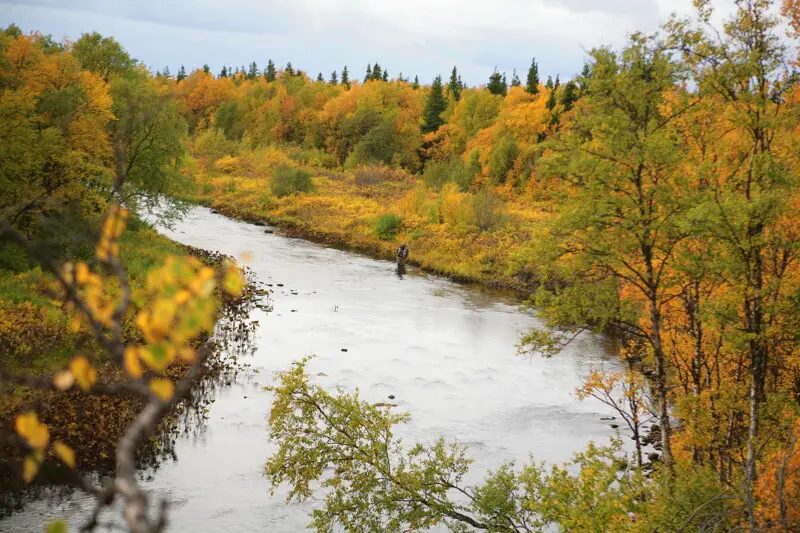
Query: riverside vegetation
[654,195]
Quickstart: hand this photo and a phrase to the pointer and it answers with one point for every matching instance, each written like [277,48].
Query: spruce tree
[224,72]
[334,78]
[377,73]
[269,72]
[497,84]
[166,73]
[557,84]
[289,69]
[434,107]
[385,75]
[569,95]
[319,77]
[551,100]
[345,77]
[181,73]
[206,69]
[549,83]
[515,82]
[583,79]
[454,85]
[368,76]
[415,85]
[532,85]
[252,73]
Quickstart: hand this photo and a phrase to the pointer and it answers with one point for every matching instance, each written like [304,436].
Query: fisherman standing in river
[401,256]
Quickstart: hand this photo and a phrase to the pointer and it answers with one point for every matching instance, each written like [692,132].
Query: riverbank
[460,235]
[36,339]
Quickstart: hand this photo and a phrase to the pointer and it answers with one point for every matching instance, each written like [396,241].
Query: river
[445,351]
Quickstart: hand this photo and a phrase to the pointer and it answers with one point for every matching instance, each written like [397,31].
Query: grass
[33,324]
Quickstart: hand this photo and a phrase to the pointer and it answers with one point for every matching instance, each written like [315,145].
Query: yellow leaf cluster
[113,227]
[83,372]
[34,432]
[179,305]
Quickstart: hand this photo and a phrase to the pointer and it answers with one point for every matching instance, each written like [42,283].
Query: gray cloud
[422,37]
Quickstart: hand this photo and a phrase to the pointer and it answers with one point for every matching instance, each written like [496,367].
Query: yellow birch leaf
[133,366]
[84,372]
[30,467]
[233,283]
[188,354]
[34,432]
[163,388]
[65,453]
[63,380]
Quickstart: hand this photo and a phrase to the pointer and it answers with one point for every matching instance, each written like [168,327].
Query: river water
[444,350]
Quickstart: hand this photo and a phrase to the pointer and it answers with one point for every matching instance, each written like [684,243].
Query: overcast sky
[422,37]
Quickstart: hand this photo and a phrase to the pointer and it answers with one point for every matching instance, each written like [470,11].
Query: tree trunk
[661,385]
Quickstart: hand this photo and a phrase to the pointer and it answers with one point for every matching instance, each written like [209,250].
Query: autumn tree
[374,483]
[54,134]
[88,145]
[621,226]
[751,189]
[102,55]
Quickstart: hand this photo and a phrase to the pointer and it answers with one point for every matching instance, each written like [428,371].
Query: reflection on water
[445,351]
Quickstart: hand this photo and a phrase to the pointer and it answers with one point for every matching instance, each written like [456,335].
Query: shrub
[288,180]
[502,159]
[13,257]
[212,144]
[387,226]
[229,119]
[313,157]
[227,164]
[376,175]
[436,174]
[413,202]
[487,210]
[453,208]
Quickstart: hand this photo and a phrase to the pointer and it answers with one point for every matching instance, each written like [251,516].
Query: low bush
[487,210]
[370,176]
[387,226]
[288,180]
